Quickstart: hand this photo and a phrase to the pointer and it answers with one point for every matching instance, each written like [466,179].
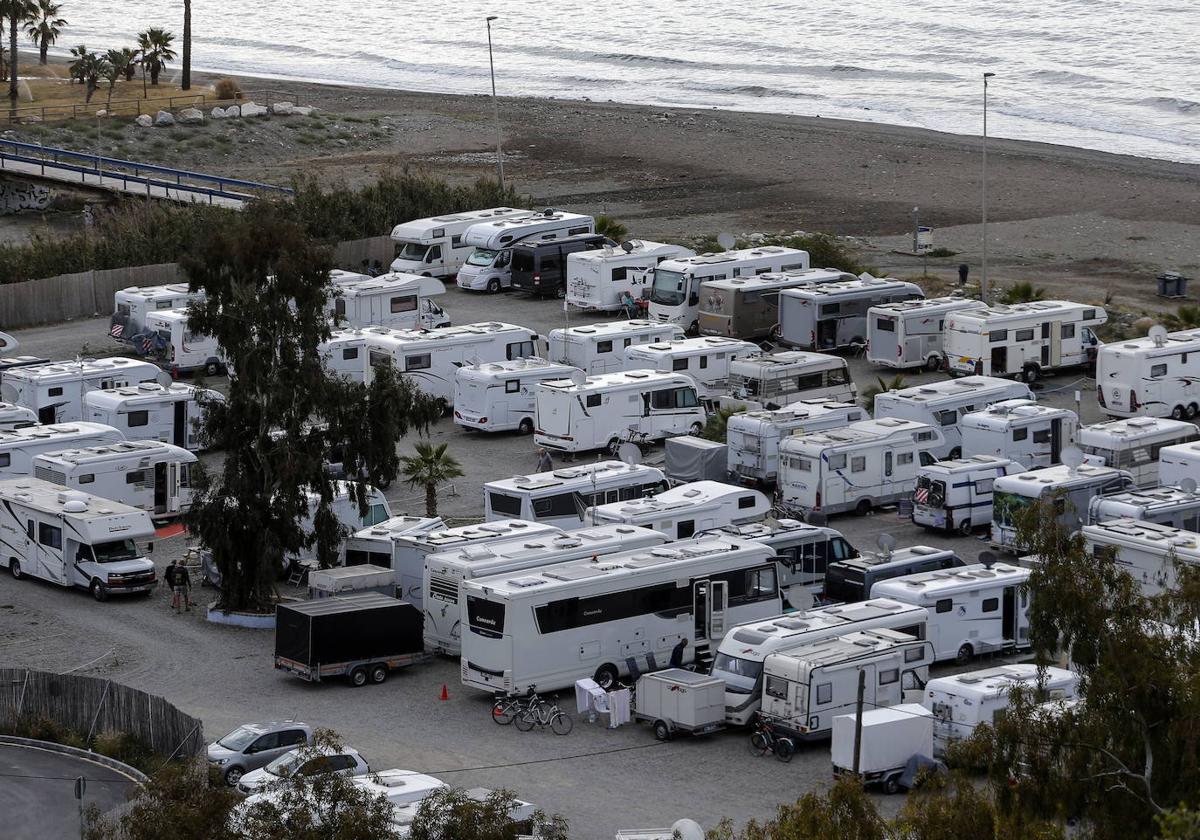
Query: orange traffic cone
[445,692]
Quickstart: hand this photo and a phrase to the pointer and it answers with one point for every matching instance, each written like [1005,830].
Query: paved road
[114,183]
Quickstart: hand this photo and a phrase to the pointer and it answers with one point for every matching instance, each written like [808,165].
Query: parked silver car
[256,745]
[346,761]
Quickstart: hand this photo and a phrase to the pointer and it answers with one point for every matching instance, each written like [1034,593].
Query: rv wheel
[863,507]
[443,407]
[1178,412]
[493,286]
[525,427]
[891,785]
[358,677]
[14,568]
[560,292]
[1031,373]
[98,591]
[695,430]
[212,369]
[964,655]
[613,445]
[1192,411]
[964,527]
[956,453]
[933,363]
[606,676]
[662,731]
[379,673]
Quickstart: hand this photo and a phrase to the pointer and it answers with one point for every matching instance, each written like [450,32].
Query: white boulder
[283,109]
[303,110]
[249,109]
[164,118]
[144,120]
[233,111]
[217,113]
[102,113]
[191,116]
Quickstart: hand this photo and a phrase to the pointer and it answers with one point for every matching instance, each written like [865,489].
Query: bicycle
[764,738]
[507,707]
[540,713]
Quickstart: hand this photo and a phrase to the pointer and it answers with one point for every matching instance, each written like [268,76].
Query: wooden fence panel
[67,296]
[349,255]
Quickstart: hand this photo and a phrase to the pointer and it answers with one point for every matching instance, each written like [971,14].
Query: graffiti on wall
[16,196]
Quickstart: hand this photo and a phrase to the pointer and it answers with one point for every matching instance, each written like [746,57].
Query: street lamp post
[983,283]
[495,104]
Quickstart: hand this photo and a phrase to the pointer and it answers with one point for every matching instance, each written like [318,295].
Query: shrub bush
[227,89]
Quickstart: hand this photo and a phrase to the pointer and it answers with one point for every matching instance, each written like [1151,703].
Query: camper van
[1033,435]
[20,446]
[16,417]
[55,391]
[687,509]
[805,688]
[833,316]
[1072,488]
[706,360]
[149,411]
[560,497]
[345,355]
[1133,444]
[500,396]
[853,579]
[1024,340]
[600,412]
[152,476]
[347,513]
[399,301]
[972,609]
[488,268]
[173,344]
[435,247]
[600,348]
[1172,506]
[752,437]
[1156,376]
[956,495]
[600,281]
[539,266]
[132,305]
[748,307]
[445,571]
[1178,463]
[773,380]
[859,467]
[675,290]
[944,404]
[1147,551]
[74,539]
[739,660]
[908,334]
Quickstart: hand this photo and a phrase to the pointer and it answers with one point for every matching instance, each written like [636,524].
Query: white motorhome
[1071,488]
[16,416]
[753,437]
[601,280]
[488,267]
[1133,444]
[155,477]
[560,497]
[132,305]
[600,348]
[54,391]
[606,618]
[345,510]
[675,290]
[1158,376]
[687,509]
[859,467]
[1148,551]
[445,571]
[1024,339]
[944,404]
[1172,506]
[149,411]
[748,307]
[600,412]
[739,660]
[706,359]
[400,301]
[73,538]
[908,334]
[435,247]
[852,580]
[1031,434]
[20,446]
[500,396]
[772,380]
[972,609]
[956,495]
[1178,463]
[832,316]
[806,687]
[174,345]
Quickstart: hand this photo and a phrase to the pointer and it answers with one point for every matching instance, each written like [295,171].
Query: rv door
[173,487]
[718,603]
[1008,622]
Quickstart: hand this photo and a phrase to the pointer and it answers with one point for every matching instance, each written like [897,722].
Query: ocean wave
[1171,104]
[756,91]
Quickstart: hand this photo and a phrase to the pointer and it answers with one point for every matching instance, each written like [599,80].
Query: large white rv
[155,477]
[600,412]
[1025,339]
[706,359]
[972,609]
[173,344]
[1158,376]
[908,334]
[1071,488]
[600,348]
[772,380]
[1178,463]
[852,580]
[560,497]
[400,301]
[73,538]
[753,437]
[1147,551]
[445,571]
[16,416]
[832,316]
[865,464]
[1172,506]
[748,307]
[548,627]
[501,396]
[132,305]
[1133,444]
[488,267]
[675,291]
[602,280]
[944,404]
[739,660]
[687,509]
[435,247]
[956,495]
[149,411]
[1024,431]
[20,446]
[54,391]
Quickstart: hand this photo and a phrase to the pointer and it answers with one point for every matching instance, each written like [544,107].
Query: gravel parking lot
[600,780]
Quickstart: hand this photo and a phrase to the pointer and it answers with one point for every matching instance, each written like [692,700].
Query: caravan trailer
[833,316]
[1033,435]
[1156,376]
[753,437]
[1072,488]
[748,307]
[908,334]
[149,411]
[687,509]
[1172,506]
[773,380]
[600,281]
[1147,551]
[132,305]
[859,467]
[19,447]
[488,268]
[445,571]
[399,301]
[434,247]
[551,626]
[853,579]
[500,396]
[1178,463]
[675,290]
[16,417]
[560,496]
[55,391]
[155,477]
[173,344]
[600,348]
[944,404]
[956,494]
[706,360]
[1133,444]
[1025,340]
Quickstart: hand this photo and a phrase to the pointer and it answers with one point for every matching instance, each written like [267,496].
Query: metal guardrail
[74,110]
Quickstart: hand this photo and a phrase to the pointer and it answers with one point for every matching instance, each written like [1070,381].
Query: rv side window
[456,240]
[422,361]
[1089,314]
[135,477]
[830,309]
[1041,436]
[662,399]
[520,350]
[915,654]
[507,505]
[1158,370]
[997,336]
[1020,434]
[760,584]
[185,476]
[946,418]
[138,418]
[627,343]
[776,687]
[555,506]
[858,464]
[685,529]
[745,502]
[627,493]
[803,464]
[923,436]
[991,604]
[837,462]
[164,304]
[349,353]
[944,605]
[824,693]
[703,362]
[29,528]
[1068,330]
[885,325]
[926,458]
[576,231]
[808,381]
[983,485]
[891,675]
[512,386]
[621,273]
[592,400]
[813,558]
[837,376]
[379,359]
[842,550]
[686,398]
[679,364]
[49,536]
[903,458]
[1024,335]
[404,303]
[87,478]
[5,459]
[55,392]
[603,346]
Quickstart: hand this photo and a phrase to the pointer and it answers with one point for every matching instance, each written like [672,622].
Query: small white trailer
[1024,431]
[1178,463]
[833,316]
[956,495]
[174,345]
[687,509]
[1026,340]
[14,416]
[400,301]
[559,497]
[908,334]
[1148,551]
[54,391]
[772,380]
[600,348]
[434,247]
[1172,506]
[1133,444]
[706,360]
[152,476]
[1156,376]
[20,446]
[149,411]
[601,280]
[132,305]
[887,739]
[753,437]
[349,580]
[675,700]
[488,268]
[501,396]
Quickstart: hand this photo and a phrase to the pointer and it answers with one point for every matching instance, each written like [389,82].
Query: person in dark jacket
[180,581]
[677,653]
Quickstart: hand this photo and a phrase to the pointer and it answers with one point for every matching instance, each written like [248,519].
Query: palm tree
[45,26]
[127,59]
[716,427]
[93,67]
[116,64]
[155,45]
[186,81]
[1187,317]
[896,383]
[610,227]
[428,468]
[1022,292]
[79,55]
[16,12]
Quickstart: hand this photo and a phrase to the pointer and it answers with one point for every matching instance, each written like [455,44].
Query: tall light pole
[983,283]
[495,104]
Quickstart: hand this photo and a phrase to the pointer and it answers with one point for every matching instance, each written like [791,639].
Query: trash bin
[1172,284]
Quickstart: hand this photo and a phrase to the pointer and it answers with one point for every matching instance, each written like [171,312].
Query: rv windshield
[414,251]
[670,287]
[482,257]
[740,675]
[114,552]
[1007,507]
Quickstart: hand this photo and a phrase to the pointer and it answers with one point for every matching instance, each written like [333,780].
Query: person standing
[677,653]
[179,580]
[545,462]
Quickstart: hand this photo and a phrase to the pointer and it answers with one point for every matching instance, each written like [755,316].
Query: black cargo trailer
[361,637]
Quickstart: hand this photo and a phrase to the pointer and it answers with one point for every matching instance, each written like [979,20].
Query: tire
[212,369]
[612,446]
[443,407]
[1178,412]
[524,721]
[956,453]
[502,712]
[964,528]
[493,286]
[785,748]
[964,655]
[933,364]
[606,675]
[234,775]
[561,293]
[1192,410]
[891,785]
[695,430]
[561,723]
[1031,374]
[14,569]
[662,731]
[863,507]
[99,592]
[758,744]
[358,677]
[379,674]
[525,427]
[694,329]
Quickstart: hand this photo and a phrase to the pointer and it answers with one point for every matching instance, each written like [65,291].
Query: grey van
[255,745]
[539,266]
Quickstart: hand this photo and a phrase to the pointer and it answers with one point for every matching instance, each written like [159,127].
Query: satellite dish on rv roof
[627,246]
[686,829]
[988,558]
[1158,334]
[1072,456]
[1187,485]
[578,377]
[629,454]
[886,543]
[8,392]
[8,344]
[726,240]
[163,378]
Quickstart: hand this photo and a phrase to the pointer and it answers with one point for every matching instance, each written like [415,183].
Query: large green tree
[45,26]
